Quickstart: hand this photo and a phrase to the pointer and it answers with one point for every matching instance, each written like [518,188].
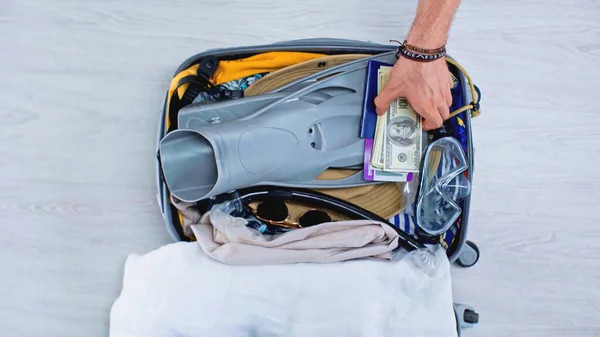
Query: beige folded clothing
[229,240]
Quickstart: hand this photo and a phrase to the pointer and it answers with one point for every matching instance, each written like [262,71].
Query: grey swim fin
[389,57]
[197,115]
[219,112]
[288,142]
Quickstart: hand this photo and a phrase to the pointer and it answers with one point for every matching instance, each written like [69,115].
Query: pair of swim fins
[287,137]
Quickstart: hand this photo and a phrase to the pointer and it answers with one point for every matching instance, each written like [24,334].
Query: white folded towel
[177,290]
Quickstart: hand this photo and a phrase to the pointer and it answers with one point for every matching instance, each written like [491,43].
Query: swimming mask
[443,185]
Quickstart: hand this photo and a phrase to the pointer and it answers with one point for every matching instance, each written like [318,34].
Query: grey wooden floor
[81,83]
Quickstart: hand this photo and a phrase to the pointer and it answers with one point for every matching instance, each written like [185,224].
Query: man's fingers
[380,107]
[432,123]
[384,99]
[448,97]
[444,111]
[427,125]
[431,116]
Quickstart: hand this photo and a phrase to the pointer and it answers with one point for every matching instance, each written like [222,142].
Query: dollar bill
[377,158]
[402,143]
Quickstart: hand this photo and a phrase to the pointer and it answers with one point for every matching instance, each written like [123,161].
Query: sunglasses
[237,203]
[275,212]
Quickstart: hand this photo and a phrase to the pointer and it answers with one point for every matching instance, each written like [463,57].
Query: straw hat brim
[287,75]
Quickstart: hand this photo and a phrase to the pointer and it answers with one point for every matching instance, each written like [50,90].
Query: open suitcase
[190,81]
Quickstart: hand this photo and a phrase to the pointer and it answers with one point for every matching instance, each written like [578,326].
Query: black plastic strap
[208,66]
[206,69]
[230,94]
[195,79]
[196,84]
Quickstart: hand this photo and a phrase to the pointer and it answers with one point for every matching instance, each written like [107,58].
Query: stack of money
[398,136]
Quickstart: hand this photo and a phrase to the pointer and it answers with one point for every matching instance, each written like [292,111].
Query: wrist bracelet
[419,56]
[423,50]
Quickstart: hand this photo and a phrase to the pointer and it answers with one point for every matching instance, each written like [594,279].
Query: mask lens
[457,188]
[435,213]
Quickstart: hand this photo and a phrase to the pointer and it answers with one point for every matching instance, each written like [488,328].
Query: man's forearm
[432,23]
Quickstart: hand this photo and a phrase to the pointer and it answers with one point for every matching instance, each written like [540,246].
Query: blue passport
[368,121]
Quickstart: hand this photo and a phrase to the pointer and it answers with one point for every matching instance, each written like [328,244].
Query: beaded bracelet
[422,50]
[402,50]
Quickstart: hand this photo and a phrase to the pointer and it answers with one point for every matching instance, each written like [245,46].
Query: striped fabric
[405,222]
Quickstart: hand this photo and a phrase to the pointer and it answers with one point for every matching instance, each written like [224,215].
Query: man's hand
[426,85]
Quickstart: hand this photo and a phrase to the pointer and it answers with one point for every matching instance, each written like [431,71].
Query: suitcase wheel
[466,316]
[469,256]
[471,317]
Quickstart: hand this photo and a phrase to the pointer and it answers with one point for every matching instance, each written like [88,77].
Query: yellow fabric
[261,63]
[180,216]
[192,70]
[236,69]
[189,71]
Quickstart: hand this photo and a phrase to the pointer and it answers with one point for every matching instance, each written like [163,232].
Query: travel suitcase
[186,86]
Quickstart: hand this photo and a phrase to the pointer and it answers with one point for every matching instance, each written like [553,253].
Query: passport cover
[368,120]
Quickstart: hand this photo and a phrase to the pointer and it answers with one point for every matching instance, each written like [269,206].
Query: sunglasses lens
[314,217]
[274,210]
